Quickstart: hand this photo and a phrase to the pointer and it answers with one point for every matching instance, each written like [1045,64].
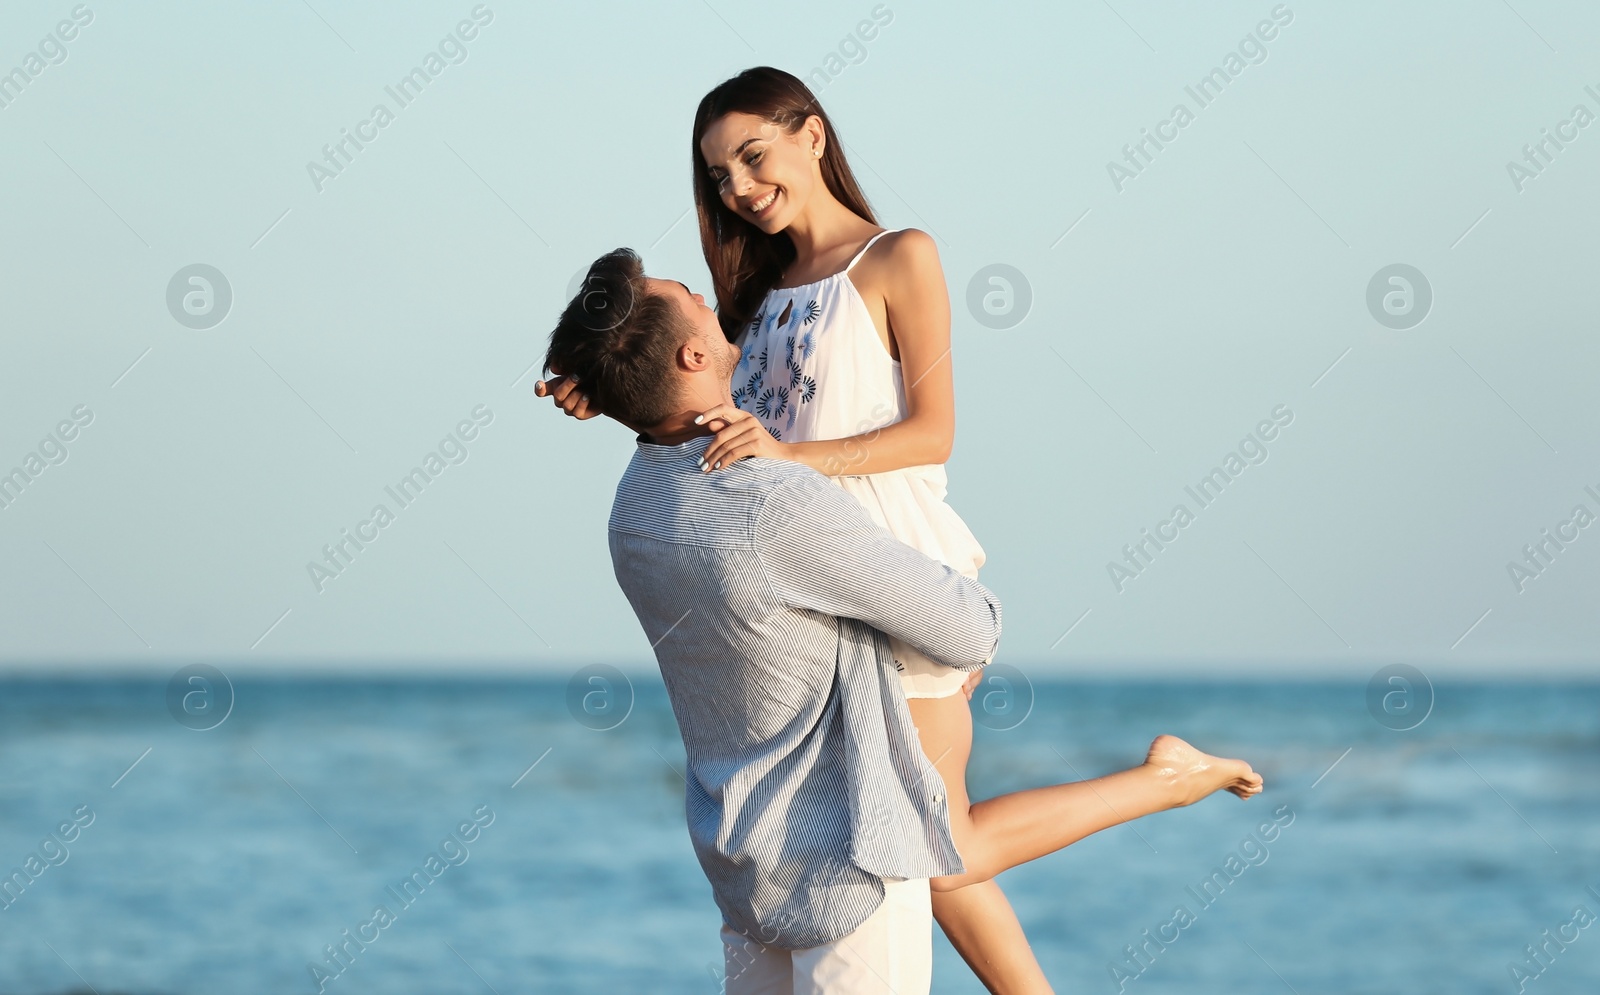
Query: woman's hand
[971,683]
[740,434]
[564,389]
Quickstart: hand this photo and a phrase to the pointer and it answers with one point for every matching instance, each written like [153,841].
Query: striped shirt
[767,591]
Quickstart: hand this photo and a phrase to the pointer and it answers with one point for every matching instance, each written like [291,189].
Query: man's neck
[680,427]
[677,429]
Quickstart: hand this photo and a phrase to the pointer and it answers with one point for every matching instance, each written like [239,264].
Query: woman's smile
[764,206]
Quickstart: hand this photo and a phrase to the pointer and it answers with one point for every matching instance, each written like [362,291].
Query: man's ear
[692,354]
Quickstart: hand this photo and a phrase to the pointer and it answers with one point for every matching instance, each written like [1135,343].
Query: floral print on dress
[791,342]
[779,398]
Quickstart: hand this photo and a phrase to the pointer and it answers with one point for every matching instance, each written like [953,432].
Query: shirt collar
[694,447]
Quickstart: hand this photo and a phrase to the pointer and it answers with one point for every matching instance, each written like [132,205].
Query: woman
[844,333]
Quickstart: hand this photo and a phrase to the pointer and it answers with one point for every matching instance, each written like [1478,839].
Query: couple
[816,630]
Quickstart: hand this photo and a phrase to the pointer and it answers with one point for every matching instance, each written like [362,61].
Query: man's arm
[823,552]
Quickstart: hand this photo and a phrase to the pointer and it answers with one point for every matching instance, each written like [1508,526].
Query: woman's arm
[918,308]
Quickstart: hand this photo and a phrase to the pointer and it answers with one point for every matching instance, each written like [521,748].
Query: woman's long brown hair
[746,262]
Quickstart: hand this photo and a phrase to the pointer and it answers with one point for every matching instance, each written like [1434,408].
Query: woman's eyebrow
[740,149]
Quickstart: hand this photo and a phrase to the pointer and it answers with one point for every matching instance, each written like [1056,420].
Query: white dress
[811,367]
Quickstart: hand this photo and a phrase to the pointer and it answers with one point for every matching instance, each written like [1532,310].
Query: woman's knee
[974,859]
[955,882]
[949,883]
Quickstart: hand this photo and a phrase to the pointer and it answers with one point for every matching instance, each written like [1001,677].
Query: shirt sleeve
[822,551]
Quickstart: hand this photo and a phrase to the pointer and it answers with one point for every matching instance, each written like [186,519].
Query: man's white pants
[890,953]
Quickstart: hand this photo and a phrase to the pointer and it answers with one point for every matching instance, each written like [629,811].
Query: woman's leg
[977,919]
[998,834]
[979,923]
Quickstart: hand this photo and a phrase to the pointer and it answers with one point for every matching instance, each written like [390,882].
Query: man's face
[703,320]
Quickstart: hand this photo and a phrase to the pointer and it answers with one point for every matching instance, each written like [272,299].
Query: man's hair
[619,340]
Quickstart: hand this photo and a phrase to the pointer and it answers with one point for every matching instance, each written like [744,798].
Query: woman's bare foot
[1192,775]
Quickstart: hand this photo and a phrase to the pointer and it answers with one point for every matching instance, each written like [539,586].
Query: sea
[526,836]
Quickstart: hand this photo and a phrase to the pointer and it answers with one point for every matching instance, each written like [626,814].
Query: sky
[1342,260]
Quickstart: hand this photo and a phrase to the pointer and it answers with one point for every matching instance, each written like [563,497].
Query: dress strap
[864,248]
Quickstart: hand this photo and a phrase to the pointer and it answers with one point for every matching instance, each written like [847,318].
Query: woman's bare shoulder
[907,254]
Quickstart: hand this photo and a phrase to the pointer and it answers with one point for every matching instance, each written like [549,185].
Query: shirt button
[937,799]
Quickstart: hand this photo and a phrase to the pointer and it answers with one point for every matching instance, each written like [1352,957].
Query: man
[768,594]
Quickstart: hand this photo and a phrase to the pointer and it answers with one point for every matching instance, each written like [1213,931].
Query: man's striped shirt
[767,591]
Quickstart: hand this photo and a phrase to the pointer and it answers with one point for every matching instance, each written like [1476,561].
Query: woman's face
[763,174]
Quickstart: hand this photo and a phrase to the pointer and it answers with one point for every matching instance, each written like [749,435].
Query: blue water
[227,860]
